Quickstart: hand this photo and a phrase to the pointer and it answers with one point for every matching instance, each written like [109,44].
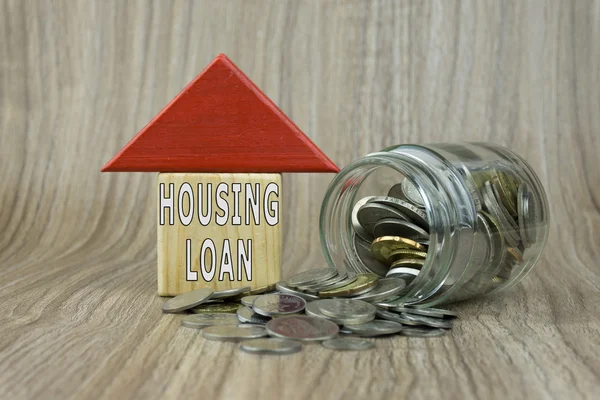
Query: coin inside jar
[398,227]
[371,213]
[382,247]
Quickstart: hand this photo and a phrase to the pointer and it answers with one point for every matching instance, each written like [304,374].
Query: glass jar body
[485,209]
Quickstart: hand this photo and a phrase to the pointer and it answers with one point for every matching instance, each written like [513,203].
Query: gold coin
[516,253]
[252,292]
[409,262]
[219,308]
[363,283]
[508,191]
[383,246]
[406,253]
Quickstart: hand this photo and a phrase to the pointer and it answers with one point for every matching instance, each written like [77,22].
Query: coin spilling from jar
[392,233]
[341,310]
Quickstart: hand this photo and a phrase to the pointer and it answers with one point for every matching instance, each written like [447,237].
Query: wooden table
[78,307]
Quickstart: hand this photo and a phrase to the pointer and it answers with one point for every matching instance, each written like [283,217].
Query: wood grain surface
[79,314]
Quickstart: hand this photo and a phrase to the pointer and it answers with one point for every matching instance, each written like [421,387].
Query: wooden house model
[219,148]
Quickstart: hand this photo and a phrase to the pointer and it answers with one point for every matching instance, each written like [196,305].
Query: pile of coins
[391,233]
[338,309]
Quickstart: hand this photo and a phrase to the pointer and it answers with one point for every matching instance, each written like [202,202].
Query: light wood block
[240,248]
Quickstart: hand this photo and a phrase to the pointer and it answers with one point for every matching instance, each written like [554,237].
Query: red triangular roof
[221,122]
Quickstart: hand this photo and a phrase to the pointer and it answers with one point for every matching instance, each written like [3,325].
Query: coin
[350,277]
[346,344]
[412,213]
[402,273]
[445,313]
[187,300]
[282,287]
[383,246]
[406,253]
[278,304]
[271,346]
[411,193]
[362,284]
[398,227]
[397,192]
[507,185]
[371,213]
[422,331]
[229,292]
[377,327]
[385,289]
[416,263]
[314,310]
[198,321]
[302,327]
[233,332]
[494,209]
[248,300]
[507,214]
[363,251]
[427,321]
[247,314]
[418,311]
[346,308]
[358,228]
[390,316]
[224,307]
[311,276]
[341,275]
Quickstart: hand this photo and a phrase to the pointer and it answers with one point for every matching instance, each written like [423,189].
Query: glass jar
[486,211]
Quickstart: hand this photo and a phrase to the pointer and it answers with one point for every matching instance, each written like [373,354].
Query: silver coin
[346,308]
[363,251]
[390,316]
[377,327]
[313,310]
[398,227]
[248,300]
[386,288]
[402,271]
[278,304]
[431,311]
[411,212]
[414,331]
[233,332]
[302,327]
[397,192]
[199,321]
[411,193]
[358,228]
[417,311]
[373,212]
[283,288]
[505,212]
[187,300]
[428,321]
[341,275]
[388,303]
[246,314]
[348,344]
[350,277]
[271,346]
[221,294]
[311,276]
[532,216]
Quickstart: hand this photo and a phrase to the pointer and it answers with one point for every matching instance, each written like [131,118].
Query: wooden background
[79,315]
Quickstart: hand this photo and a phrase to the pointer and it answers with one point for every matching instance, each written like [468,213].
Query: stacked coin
[391,233]
[312,306]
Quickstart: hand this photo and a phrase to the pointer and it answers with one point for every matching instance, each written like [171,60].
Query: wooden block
[239,238]
[221,122]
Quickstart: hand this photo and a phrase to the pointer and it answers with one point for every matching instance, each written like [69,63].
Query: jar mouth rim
[437,205]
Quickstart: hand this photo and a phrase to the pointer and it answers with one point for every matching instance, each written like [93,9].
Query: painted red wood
[221,122]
